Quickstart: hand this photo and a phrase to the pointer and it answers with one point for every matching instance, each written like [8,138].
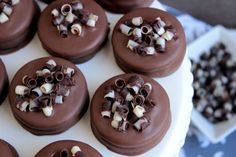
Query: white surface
[215,132]
[96,71]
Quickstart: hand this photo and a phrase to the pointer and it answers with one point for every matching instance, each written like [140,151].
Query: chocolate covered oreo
[7,150]
[3,82]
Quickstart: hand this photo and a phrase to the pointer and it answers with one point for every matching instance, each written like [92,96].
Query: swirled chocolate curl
[147,38]
[72,18]
[127,102]
[44,89]
[6,9]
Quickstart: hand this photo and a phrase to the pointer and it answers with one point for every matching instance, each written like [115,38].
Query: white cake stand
[96,71]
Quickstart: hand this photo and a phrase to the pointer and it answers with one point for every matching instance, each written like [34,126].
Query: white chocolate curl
[77,6]
[21,90]
[76,29]
[129,97]
[168,35]
[32,105]
[161,22]
[139,123]
[74,150]
[69,71]
[52,62]
[139,111]
[106,114]
[14,2]
[66,9]
[132,44]
[126,29]
[155,36]
[115,124]
[45,71]
[55,13]
[71,17]
[161,41]
[149,50]
[149,85]
[114,106]
[7,10]
[117,117]
[110,94]
[3,18]
[37,91]
[92,20]
[137,32]
[161,30]
[137,21]
[48,111]
[46,88]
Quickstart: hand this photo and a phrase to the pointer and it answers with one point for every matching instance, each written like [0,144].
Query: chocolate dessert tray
[96,71]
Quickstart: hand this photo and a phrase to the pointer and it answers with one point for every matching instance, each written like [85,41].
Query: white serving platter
[215,132]
[96,71]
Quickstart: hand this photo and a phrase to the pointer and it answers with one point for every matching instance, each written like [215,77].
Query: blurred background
[199,17]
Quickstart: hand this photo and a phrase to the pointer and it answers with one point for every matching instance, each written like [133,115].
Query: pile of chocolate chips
[148,38]
[215,84]
[71,18]
[6,9]
[47,87]
[127,102]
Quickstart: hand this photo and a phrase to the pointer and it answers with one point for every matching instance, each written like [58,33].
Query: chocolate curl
[76,29]
[63,31]
[66,9]
[133,118]
[70,18]
[117,102]
[59,76]
[168,35]
[69,71]
[161,42]
[44,101]
[50,65]
[36,92]
[137,21]
[159,30]
[3,18]
[139,111]
[49,78]
[149,50]
[84,16]
[171,29]
[145,90]
[149,104]
[57,20]
[123,126]
[146,29]
[141,124]
[120,83]
[137,33]
[160,22]
[55,13]
[106,109]
[109,94]
[92,20]
[115,124]
[139,100]
[33,105]
[22,104]
[14,2]
[7,9]
[117,116]
[76,151]
[59,99]
[126,94]
[126,30]
[47,88]
[132,45]
[21,90]
[149,40]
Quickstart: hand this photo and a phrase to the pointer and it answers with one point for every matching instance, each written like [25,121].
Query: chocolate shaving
[120,83]
[64,153]
[139,100]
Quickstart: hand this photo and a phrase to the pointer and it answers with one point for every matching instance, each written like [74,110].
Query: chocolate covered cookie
[17,24]
[130,114]
[3,82]
[150,42]
[48,96]
[73,29]
[7,150]
[124,6]
[68,148]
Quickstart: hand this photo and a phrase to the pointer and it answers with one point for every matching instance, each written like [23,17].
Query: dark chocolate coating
[132,142]
[158,65]
[21,27]
[54,147]
[123,6]
[65,115]
[4,84]
[7,150]
[74,48]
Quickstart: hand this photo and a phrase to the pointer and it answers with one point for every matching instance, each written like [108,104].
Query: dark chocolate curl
[49,78]
[31,83]
[106,106]
[149,104]
[133,118]
[139,100]
[120,83]
[145,91]
[59,76]
[58,20]
[44,101]
[79,154]
[142,124]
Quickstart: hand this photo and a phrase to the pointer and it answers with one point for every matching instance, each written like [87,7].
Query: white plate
[215,132]
[96,71]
